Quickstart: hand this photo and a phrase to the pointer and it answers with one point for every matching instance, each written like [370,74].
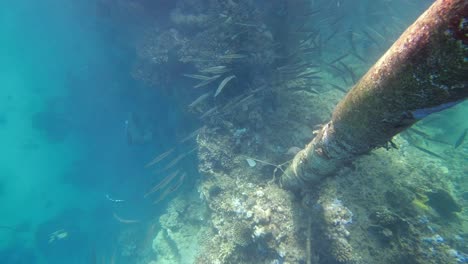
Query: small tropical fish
[200,99]
[223,83]
[355,54]
[114,200]
[294,67]
[461,138]
[209,112]
[246,25]
[419,132]
[125,221]
[178,158]
[197,76]
[350,71]
[171,189]
[160,157]
[237,102]
[311,12]
[308,72]
[372,39]
[233,56]
[162,183]
[309,37]
[375,33]
[206,82]
[333,34]
[233,37]
[58,235]
[338,87]
[191,135]
[215,69]
[428,152]
[312,90]
[339,58]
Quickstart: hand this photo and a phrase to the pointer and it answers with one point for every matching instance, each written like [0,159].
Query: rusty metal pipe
[424,71]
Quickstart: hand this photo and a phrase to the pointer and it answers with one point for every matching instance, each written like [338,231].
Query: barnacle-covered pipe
[424,71]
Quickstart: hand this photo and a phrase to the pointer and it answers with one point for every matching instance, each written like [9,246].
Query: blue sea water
[66,93]
[72,172]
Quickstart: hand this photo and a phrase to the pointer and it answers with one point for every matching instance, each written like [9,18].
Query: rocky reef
[265,76]
[183,229]
[383,208]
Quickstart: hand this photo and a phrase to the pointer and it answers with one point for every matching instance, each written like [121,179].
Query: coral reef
[246,213]
[396,205]
[183,229]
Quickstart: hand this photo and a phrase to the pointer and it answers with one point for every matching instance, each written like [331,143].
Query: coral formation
[396,205]
[183,229]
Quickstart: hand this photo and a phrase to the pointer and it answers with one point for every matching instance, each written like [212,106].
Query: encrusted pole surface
[424,71]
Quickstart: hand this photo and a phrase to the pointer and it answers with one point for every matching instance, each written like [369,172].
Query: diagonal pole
[424,71]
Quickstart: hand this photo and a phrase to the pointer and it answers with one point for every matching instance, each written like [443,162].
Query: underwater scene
[233,131]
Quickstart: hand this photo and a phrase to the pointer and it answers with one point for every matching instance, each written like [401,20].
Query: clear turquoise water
[65,95]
